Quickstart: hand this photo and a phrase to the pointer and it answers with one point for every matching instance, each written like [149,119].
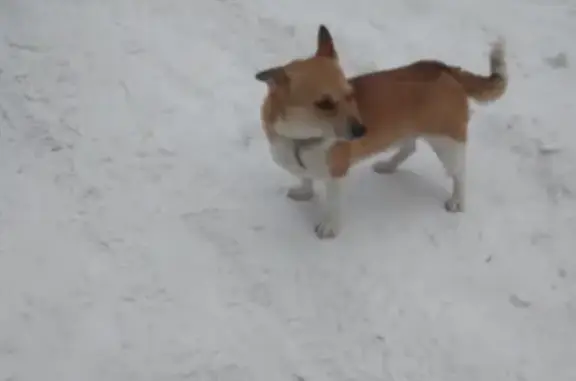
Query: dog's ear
[325,44]
[276,76]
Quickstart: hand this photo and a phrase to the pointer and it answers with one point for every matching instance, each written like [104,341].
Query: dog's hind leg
[407,149]
[452,154]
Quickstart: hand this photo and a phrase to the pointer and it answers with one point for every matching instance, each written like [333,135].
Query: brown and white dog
[320,123]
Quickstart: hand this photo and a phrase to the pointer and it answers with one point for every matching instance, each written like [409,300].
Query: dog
[319,123]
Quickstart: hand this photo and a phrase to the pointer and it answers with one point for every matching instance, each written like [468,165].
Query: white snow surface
[145,233]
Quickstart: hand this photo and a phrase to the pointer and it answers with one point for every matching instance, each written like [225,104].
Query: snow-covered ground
[144,231]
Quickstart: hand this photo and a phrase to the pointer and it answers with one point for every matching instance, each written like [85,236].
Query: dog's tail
[484,89]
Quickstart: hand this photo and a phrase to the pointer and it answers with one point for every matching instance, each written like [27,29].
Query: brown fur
[423,98]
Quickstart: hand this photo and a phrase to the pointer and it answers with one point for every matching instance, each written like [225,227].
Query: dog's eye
[326,104]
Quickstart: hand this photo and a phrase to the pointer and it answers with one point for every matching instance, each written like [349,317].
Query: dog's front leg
[302,192]
[329,225]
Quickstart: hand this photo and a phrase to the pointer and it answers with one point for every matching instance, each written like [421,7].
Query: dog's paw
[326,229]
[454,205]
[300,193]
[384,167]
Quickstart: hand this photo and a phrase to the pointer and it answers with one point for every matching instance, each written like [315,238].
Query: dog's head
[315,98]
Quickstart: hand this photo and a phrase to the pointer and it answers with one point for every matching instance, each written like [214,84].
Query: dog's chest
[313,161]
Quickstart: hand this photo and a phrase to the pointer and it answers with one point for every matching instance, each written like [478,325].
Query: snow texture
[145,233]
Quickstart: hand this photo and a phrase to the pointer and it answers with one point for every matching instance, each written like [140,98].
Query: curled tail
[481,88]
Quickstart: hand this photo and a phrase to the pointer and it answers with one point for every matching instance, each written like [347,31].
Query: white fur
[298,130]
[299,124]
[329,226]
[452,154]
[302,192]
[314,158]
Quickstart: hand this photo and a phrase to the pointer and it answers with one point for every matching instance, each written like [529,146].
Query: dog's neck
[300,144]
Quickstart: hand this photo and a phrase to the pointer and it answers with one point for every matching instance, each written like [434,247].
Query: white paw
[454,205]
[326,229]
[384,167]
[300,193]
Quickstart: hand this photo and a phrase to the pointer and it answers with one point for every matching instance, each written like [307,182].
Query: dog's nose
[357,129]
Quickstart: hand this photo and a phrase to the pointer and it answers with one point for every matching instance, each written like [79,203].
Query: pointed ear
[276,75]
[325,44]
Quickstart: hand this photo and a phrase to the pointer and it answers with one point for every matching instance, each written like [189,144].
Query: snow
[145,233]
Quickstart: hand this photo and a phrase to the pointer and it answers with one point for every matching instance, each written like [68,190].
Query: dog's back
[426,97]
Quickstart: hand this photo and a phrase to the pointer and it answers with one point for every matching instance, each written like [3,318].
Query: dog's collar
[300,144]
